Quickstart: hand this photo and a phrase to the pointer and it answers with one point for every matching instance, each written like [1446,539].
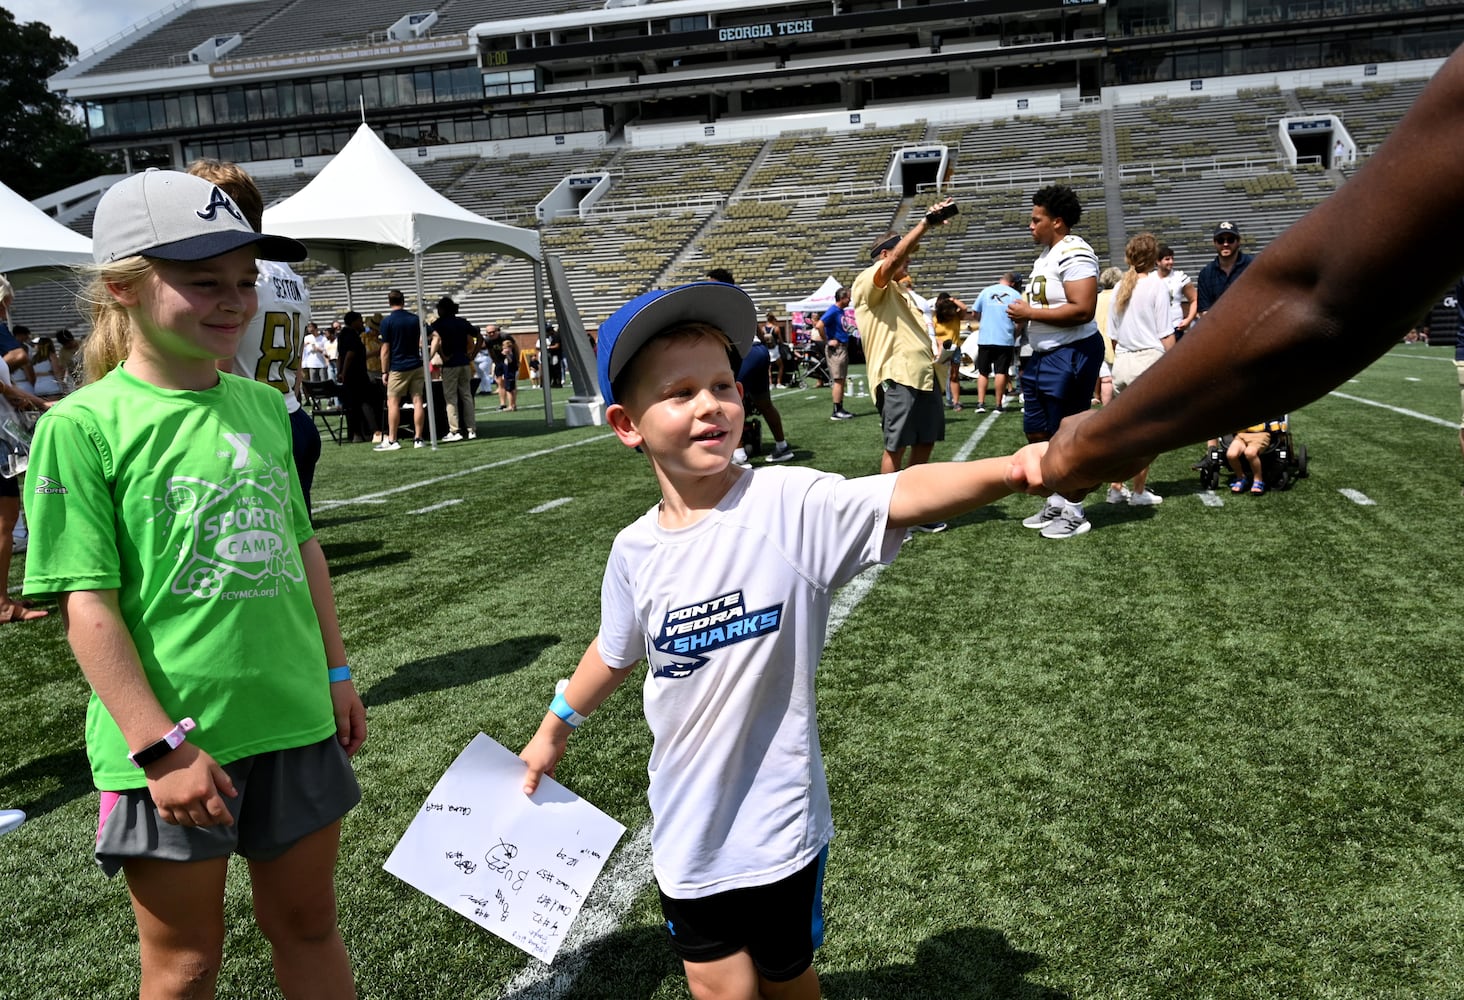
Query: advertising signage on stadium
[771,31]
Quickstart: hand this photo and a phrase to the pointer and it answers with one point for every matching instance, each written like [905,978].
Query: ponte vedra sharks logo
[701,628]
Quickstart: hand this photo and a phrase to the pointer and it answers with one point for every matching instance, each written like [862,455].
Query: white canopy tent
[366,206]
[35,247]
[819,301]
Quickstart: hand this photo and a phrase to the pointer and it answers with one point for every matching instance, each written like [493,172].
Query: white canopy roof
[820,300]
[33,246]
[366,206]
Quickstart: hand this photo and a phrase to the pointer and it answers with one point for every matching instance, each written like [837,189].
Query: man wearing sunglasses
[1229,264]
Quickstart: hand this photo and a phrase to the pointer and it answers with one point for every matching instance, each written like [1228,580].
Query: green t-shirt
[187,504]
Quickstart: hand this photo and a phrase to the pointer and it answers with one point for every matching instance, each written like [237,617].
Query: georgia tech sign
[772,29]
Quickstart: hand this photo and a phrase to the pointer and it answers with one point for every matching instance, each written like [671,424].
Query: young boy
[725,587]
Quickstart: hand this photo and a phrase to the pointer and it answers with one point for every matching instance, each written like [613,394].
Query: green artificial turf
[1199,752]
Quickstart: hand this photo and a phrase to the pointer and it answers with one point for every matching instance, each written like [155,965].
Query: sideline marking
[377,497]
[1209,499]
[618,890]
[550,505]
[1410,378]
[1396,409]
[1359,498]
[436,506]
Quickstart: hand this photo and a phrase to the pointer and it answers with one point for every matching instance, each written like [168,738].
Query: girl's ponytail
[110,339]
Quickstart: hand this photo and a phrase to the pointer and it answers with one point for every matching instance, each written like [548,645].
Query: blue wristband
[337,674]
[561,708]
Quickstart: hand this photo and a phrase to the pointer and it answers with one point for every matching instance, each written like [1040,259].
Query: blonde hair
[111,327]
[1142,254]
[235,182]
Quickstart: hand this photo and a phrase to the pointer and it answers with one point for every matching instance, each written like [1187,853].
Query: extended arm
[942,490]
[593,681]
[1305,316]
[898,257]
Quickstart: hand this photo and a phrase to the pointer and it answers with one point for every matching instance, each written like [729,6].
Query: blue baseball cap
[724,306]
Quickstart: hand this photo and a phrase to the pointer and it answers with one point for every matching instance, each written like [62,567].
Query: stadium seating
[786,213]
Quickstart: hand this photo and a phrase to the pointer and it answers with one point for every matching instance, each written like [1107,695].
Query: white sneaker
[1049,513]
[472,435]
[419,443]
[1068,524]
[10,819]
[1119,494]
[1147,498]
[781,453]
[451,436]
[388,446]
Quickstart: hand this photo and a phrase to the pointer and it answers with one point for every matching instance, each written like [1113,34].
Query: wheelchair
[1282,463]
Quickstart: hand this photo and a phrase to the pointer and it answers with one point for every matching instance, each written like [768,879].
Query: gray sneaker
[1050,512]
[1068,524]
[781,453]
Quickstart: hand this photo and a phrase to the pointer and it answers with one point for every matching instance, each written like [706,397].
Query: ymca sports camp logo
[236,539]
[689,631]
[49,485]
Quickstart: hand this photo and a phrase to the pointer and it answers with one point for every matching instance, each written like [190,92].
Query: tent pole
[543,354]
[426,358]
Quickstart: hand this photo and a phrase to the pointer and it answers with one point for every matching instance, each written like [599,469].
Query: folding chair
[323,401]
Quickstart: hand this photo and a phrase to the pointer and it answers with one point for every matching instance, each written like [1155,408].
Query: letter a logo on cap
[216,201]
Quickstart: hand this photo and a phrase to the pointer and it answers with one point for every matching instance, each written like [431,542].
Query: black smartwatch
[171,740]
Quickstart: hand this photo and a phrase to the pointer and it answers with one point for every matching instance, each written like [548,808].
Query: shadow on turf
[65,772]
[458,668]
[344,557]
[969,962]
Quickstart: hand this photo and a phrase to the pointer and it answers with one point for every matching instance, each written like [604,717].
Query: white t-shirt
[1141,326]
[1069,259]
[271,347]
[732,614]
[1175,283]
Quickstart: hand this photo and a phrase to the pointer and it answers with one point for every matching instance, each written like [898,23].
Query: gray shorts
[284,795]
[909,416]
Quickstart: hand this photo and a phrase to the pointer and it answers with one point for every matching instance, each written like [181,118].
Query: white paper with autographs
[519,866]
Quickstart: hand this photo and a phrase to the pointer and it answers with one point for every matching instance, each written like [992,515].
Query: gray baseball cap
[174,216]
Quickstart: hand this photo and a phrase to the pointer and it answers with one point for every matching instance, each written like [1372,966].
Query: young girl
[167,516]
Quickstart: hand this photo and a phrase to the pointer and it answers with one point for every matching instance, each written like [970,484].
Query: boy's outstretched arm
[941,490]
[593,681]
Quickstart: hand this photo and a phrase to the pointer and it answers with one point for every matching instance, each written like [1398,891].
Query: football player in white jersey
[1067,350]
[270,349]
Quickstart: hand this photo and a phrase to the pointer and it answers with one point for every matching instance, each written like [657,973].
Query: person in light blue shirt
[996,340]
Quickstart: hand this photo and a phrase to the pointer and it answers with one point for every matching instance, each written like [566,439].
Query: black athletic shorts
[779,925]
[993,359]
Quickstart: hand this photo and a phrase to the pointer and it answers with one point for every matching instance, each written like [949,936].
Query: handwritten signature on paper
[441,807]
[556,899]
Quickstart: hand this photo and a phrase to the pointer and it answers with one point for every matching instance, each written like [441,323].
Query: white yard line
[1359,498]
[377,497]
[551,505]
[436,506]
[1396,409]
[617,890]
